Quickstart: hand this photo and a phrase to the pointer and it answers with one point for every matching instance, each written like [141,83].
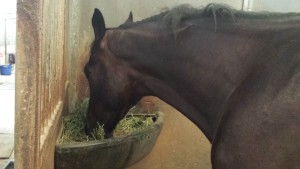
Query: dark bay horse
[235,75]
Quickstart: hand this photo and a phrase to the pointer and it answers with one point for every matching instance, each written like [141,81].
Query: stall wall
[115,11]
[41,81]
[276,5]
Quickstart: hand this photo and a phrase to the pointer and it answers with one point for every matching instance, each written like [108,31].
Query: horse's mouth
[108,135]
[87,131]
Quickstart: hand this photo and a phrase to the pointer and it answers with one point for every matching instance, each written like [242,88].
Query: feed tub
[114,153]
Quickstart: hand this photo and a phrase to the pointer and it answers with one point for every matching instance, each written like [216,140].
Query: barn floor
[7,117]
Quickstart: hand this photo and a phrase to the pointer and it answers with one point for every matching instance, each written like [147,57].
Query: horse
[234,74]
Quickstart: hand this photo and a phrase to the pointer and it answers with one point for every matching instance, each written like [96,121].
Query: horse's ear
[130,18]
[98,24]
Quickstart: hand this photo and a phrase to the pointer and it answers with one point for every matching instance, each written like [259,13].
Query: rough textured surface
[47,72]
[28,46]
[40,79]
[78,40]
[181,145]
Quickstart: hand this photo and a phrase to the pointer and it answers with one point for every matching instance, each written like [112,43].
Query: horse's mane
[175,17]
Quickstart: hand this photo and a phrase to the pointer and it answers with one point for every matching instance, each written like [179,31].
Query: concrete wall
[115,11]
[276,5]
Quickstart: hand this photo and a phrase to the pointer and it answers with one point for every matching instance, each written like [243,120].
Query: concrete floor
[7,103]
[7,117]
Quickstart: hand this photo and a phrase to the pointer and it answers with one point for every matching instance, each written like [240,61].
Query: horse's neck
[195,75]
[200,81]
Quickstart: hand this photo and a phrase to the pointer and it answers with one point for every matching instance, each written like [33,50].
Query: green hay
[132,124]
[74,125]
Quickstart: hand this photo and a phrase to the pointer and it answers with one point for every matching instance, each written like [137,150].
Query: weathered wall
[78,42]
[41,81]
[79,38]
[26,95]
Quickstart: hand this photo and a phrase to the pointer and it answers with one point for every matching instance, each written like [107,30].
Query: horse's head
[111,86]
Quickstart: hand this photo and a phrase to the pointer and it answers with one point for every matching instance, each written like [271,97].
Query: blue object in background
[5,69]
